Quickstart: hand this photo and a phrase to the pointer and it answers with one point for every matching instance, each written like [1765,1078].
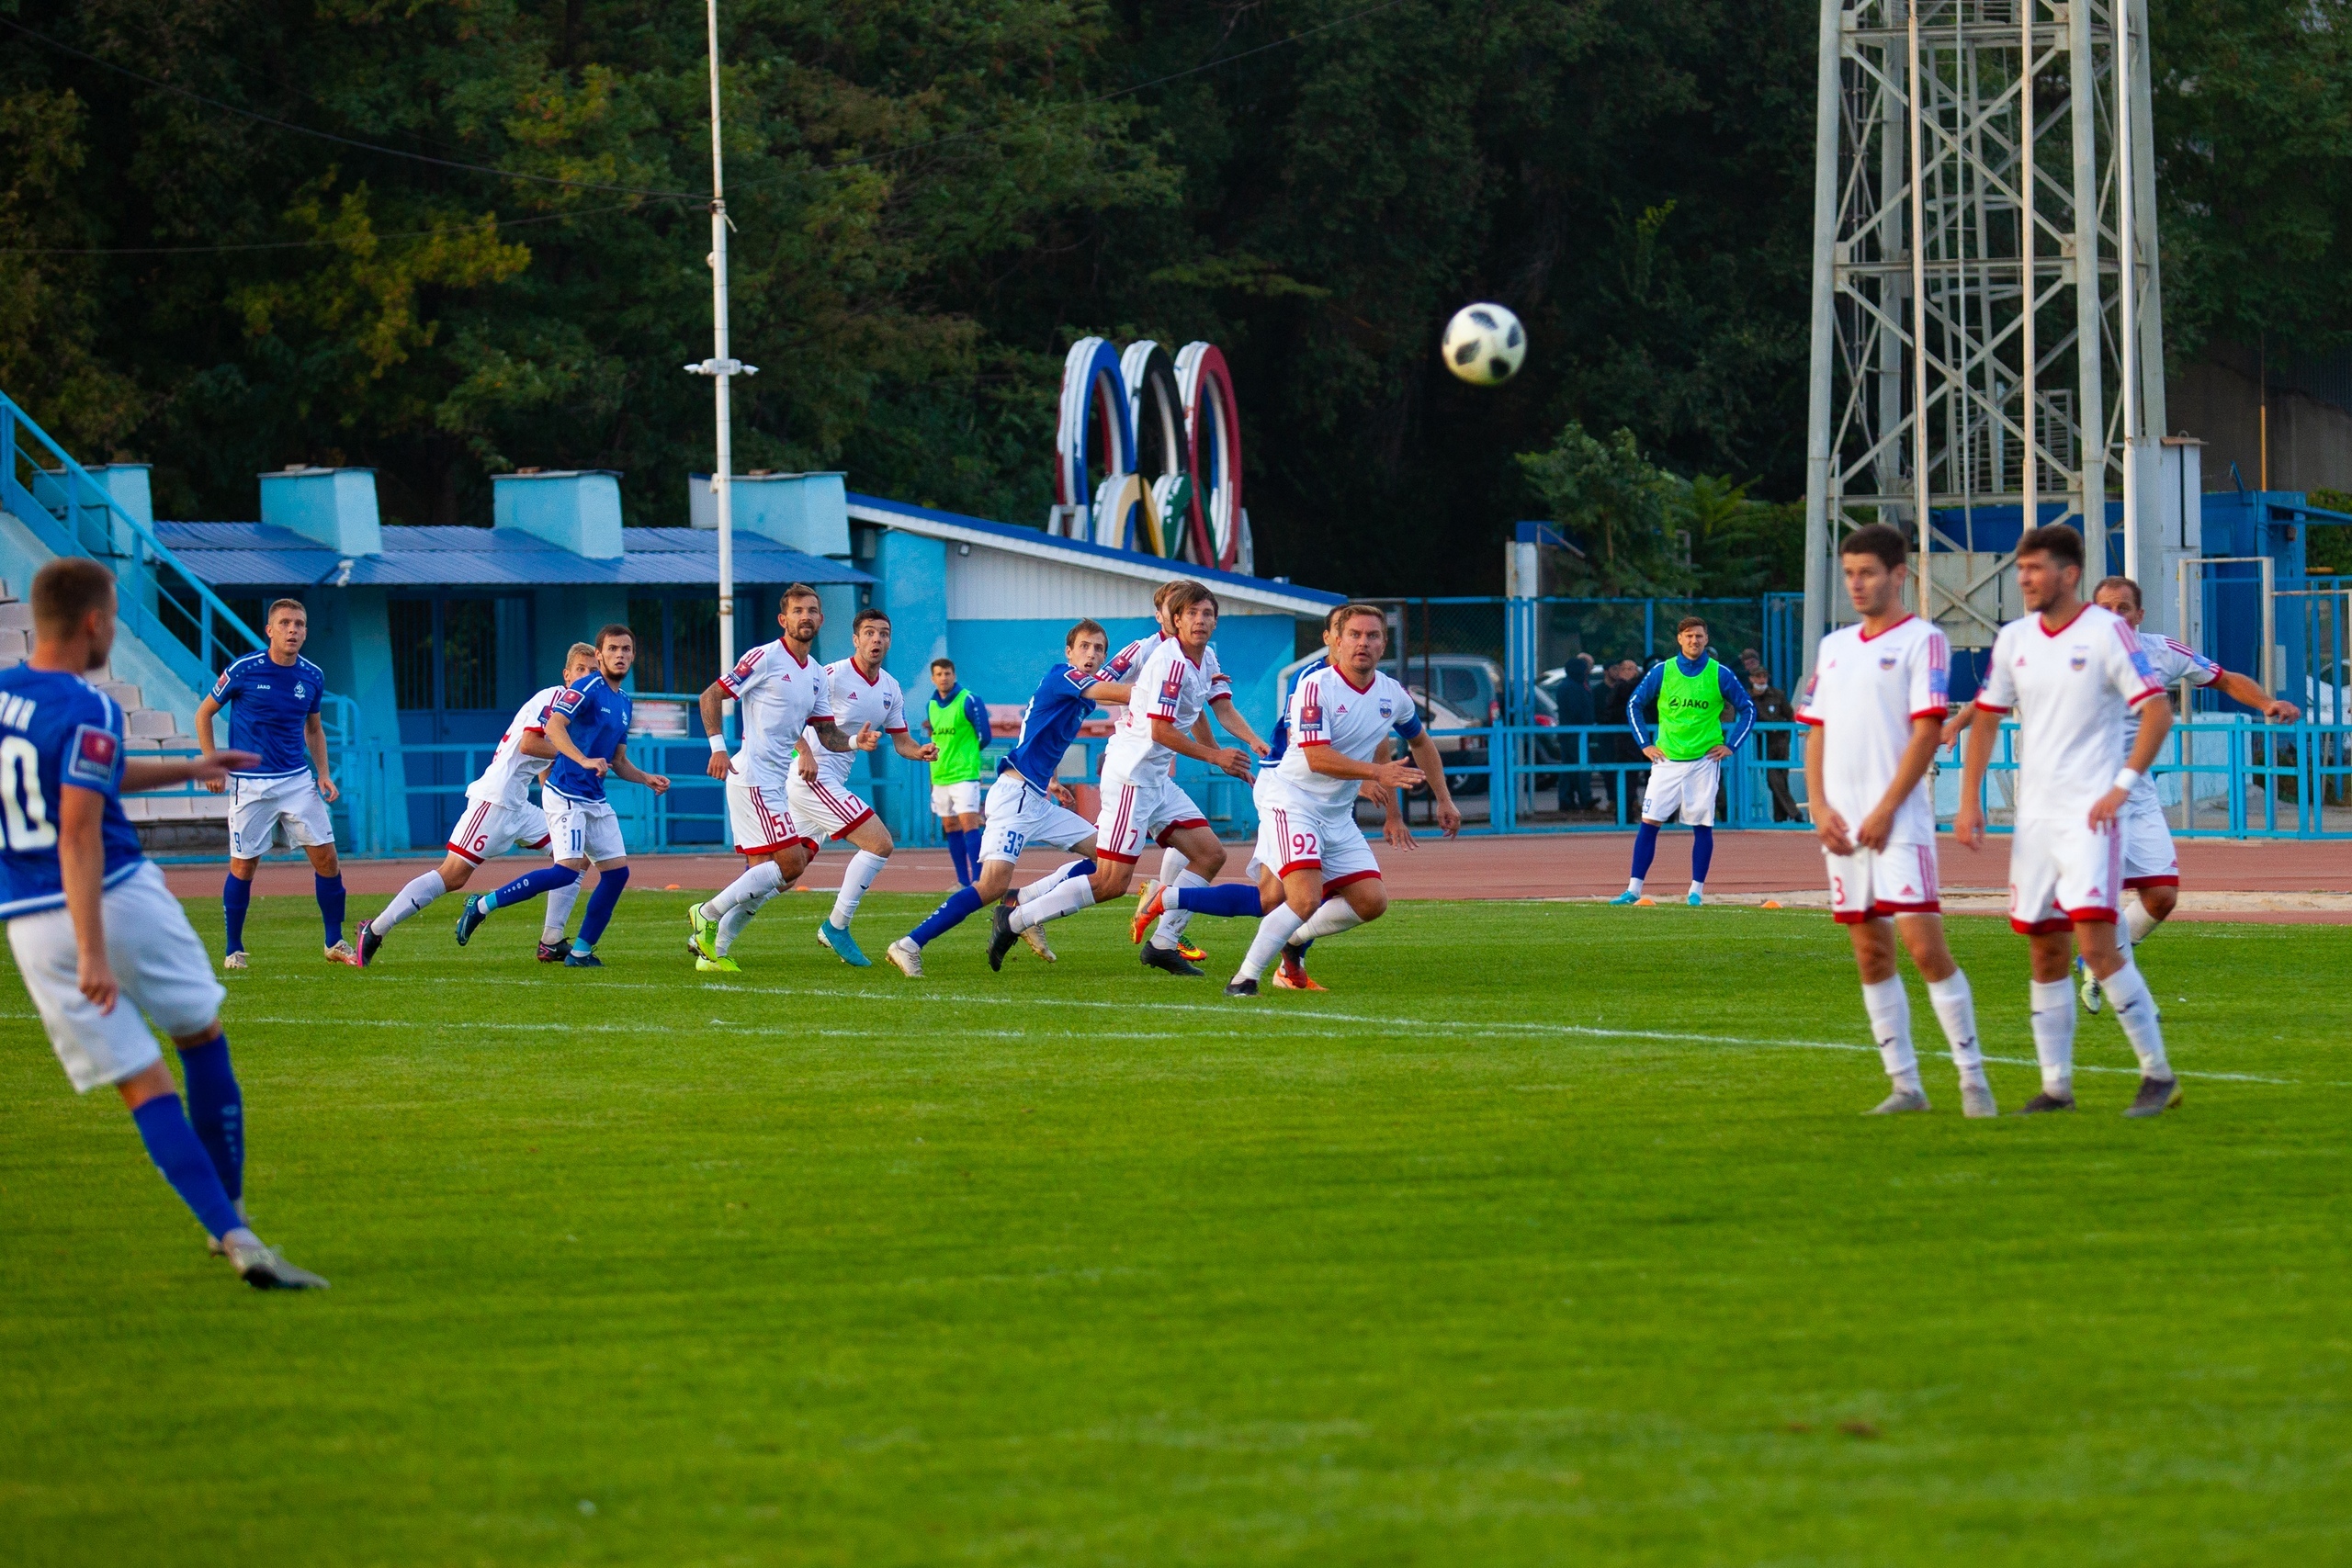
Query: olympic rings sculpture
[1147,454]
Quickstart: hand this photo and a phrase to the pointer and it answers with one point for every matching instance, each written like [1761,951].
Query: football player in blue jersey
[273,698]
[104,948]
[587,735]
[1027,804]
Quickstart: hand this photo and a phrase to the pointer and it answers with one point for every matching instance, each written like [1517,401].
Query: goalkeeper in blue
[104,948]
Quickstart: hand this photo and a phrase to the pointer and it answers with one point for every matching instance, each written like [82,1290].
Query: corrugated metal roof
[1288,597]
[261,554]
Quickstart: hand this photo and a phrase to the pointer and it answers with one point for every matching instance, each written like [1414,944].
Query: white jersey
[857,701]
[1864,695]
[1167,686]
[2063,685]
[1122,666]
[508,779]
[780,693]
[2173,662]
[1328,709]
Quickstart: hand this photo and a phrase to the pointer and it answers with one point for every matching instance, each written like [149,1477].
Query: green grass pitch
[1551,1235]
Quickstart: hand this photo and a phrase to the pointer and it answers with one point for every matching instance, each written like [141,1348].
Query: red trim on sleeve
[1990,707]
[2144,696]
[1932,713]
[1808,718]
[1303,741]
[900,730]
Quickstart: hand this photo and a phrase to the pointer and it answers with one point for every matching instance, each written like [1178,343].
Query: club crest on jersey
[1387,707]
[1886,661]
[2080,658]
[298,691]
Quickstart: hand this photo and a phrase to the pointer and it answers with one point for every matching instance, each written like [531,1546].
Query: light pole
[721,368]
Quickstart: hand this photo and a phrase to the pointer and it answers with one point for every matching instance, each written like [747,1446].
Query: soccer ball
[1484,344]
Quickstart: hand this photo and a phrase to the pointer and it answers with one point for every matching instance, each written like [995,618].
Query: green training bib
[1689,711]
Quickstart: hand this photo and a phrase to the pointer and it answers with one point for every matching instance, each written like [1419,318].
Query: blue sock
[172,1145]
[1702,852]
[600,907]
[1227,899]
[216,1109]
[330,895]
[1644,849]
[962,903]
[972,837]
[956,853]
[236,893]
[530,885]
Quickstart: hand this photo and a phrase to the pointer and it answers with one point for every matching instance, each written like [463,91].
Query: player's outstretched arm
[2237,688]
[829,735]
[906,746]
[1235,726]
[146,773]
[1111,691]
[82,869]
[629,771]
[559,737]
[1229,759]
[1424,749]
[314,739]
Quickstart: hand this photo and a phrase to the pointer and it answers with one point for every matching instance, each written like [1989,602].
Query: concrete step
[16,615]
[147,724]
[126,694]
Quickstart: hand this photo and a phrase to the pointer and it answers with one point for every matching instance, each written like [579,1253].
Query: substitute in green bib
[1690,695]
[958,723]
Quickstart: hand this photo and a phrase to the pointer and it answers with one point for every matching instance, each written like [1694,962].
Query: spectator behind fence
[1624,676]
[1772,708]
[1575,699]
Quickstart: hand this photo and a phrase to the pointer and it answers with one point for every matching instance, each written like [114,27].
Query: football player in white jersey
[2151,868]
[498,817]
[866,695]
[1341,717]
[2063,668]
[1140,800]
[784,692]
[1876,703]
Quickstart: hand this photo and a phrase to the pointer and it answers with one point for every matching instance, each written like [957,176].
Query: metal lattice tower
[1921,133]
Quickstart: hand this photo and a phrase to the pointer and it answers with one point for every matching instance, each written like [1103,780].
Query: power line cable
[330,136]
[493,221]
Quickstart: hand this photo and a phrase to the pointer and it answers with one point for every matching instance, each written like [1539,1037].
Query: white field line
[1273,1025]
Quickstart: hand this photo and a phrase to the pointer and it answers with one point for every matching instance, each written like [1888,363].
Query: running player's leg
[326,885]
[1119,838]
[788,864]
[567,841]
[874,845]
[1204,858]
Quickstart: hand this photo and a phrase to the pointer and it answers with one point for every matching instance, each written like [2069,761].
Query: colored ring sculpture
[1094,405]
[1213,443]
[1157,415]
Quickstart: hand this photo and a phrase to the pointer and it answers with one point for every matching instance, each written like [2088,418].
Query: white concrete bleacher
[145,729]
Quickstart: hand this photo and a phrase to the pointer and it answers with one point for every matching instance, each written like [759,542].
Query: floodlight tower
[1982,171]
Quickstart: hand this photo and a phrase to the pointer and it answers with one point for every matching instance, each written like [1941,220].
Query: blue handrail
[150,605]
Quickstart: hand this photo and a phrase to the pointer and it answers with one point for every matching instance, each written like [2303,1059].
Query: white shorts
[1685,788]
[256,807]
[1298,837]
[1020,814]
[1135,809]
[489,829]
[761,819]
[158,962]
[2149,859]
[826,809]
[584,830]
[1897,880]
[960,799]
[2062,872]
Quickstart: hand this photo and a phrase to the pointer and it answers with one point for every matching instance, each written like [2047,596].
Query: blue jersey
[1278,740]
[55,731]
[269,706]
[1064,700]
[1735,691]
[595,715]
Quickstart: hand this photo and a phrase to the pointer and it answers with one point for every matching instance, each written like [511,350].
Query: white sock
[2054,1034]
[1049,882]
[1171,865]
[2137,924]
[1170,929]
[1069,896]
[558,913]
[732,924]
[1277,927]
[420,892]
[1955,1006]
[1633,885]
[1699,888]
[1333,917]
[2136,1010]
[863,867]
[1889,1006]
[764,877]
